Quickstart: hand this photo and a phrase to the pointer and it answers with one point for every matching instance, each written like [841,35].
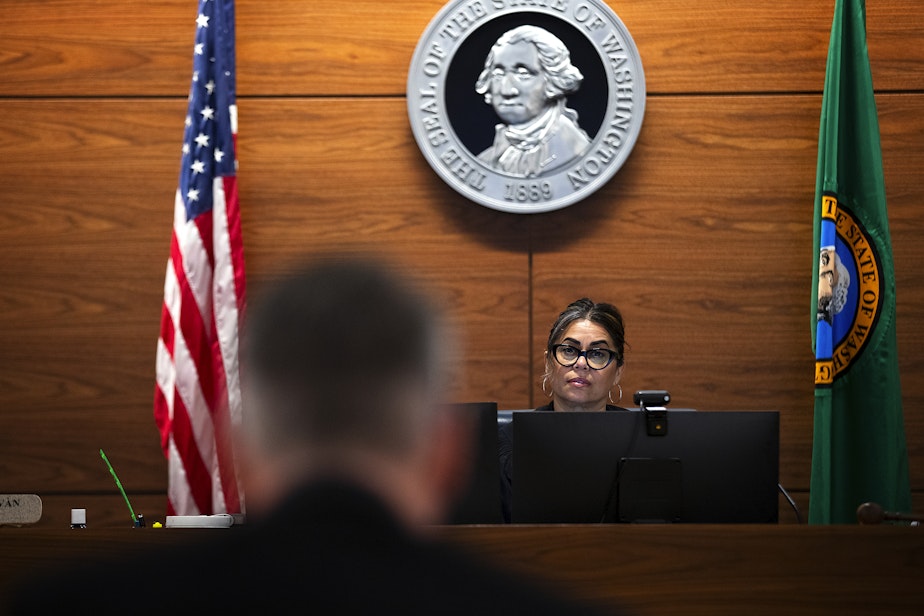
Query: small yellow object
[157,525]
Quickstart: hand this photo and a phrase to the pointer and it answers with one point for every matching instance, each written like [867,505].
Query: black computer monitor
[704,467]
[480,503]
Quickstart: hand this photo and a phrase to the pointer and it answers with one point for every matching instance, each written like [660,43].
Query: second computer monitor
[707,466]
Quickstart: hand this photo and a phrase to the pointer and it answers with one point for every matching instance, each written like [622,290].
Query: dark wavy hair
[603,314]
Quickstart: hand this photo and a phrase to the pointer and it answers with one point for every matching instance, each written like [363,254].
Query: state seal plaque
[526,106]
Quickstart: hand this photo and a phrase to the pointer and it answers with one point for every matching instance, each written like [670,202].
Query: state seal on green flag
[858,449]
[849,288]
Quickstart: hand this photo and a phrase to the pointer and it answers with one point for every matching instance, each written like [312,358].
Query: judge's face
[518,83]
[580,387]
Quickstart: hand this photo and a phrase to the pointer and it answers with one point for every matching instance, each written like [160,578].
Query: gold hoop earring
[545,381]
[620,394]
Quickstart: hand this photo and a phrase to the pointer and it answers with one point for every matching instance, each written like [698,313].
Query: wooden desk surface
[721,569]
[653,569]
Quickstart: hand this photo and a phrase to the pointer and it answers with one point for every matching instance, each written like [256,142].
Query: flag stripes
[197,398]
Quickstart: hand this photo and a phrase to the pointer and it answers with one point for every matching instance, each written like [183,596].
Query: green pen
[119,485]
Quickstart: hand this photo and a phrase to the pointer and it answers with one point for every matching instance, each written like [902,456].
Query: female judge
[584,361]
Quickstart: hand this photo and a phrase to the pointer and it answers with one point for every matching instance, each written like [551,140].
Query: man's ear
[451,458]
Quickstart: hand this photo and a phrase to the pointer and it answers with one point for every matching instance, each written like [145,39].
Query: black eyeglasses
[567,356]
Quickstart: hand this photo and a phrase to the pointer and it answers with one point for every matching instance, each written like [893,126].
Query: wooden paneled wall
[703,238]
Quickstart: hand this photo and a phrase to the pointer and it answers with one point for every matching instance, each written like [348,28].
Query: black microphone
[873,513]
[651,402]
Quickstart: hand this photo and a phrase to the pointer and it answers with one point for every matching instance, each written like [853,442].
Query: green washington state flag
[859,451]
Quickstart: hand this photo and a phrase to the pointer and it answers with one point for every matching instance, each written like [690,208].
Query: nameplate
[19,509]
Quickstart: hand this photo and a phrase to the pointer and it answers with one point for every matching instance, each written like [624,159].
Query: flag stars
[208,146]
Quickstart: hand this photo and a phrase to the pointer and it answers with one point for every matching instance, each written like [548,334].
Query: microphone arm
[873,513]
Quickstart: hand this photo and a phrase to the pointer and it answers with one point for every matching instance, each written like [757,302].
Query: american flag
[197,398]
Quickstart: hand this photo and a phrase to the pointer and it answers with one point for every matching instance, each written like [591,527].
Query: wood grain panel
[709,221]
[327,47]
[711,46]
[704,240]
[710,235]
[349,176]
[83,264]
[84,239]
[91,48]
[743,46]
[902,134]
[679,570]
[716,569]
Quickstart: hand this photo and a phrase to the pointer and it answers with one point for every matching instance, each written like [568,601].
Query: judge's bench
[654,569]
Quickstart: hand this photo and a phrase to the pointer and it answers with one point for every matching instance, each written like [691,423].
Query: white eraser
[78,516]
